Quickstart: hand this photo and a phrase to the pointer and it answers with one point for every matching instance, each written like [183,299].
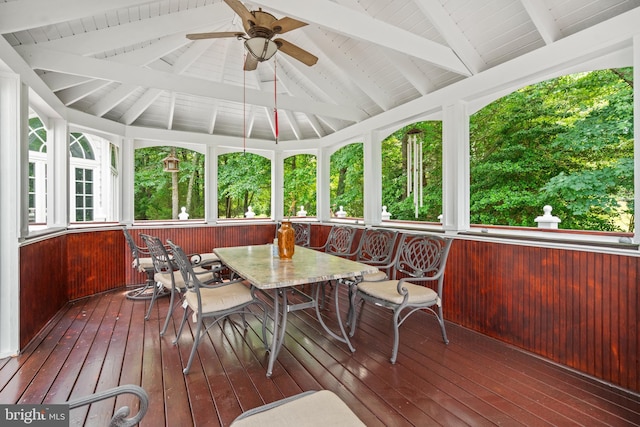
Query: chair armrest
[120,416]
[218,283]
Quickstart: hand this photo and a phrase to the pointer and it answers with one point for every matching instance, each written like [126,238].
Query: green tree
[347,180]
[566,142]
[394,173]
[300,184]
[152,185]
[244,179]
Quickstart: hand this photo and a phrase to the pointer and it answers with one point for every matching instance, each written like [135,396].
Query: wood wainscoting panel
[94,262]
[577,308]
[43,284]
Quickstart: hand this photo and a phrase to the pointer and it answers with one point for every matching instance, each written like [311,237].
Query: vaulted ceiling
[129,62]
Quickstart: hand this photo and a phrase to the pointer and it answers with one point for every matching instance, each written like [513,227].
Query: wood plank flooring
[103,341]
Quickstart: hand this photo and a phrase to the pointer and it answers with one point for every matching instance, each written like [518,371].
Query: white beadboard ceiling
[128,62]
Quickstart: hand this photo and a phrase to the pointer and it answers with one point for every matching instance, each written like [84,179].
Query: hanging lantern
[171,162]
[414,167]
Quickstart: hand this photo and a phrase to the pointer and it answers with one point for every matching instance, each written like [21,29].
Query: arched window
[37,171]
[84,177]
[80,147]
[565,142]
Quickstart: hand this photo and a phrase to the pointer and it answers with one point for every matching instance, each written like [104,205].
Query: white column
[211,185]
[455,167]
[323,198]
[372,158]
[58,173]
[636,135]
[13,131]
[127,177]
[278,210]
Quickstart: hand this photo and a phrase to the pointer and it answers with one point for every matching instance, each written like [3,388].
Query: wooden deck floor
[104,341]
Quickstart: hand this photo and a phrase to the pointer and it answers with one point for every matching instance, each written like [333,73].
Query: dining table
[261,266]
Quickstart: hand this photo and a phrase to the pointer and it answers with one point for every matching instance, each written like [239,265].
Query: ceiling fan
[260,27]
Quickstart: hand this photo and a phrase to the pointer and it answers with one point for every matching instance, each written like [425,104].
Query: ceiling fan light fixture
[261,48]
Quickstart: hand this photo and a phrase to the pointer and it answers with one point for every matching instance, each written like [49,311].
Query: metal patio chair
[166,277]
[419,276]
[143,263]
[211,299]
[375,248]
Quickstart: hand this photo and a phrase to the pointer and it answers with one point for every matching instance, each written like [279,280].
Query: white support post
[127,176]
[278,210]
[58,180]
[323,196]
[372,157]
[211,178]
[12,137]
[636,135]
[455,167]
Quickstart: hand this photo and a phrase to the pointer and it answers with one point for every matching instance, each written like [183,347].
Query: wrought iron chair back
[303,233]
[376,247]
[162,261]
[422,257]
[136,251]
[340,241]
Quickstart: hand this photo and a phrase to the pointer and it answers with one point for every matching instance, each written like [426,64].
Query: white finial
[183,215]
[547,220]
[385,215]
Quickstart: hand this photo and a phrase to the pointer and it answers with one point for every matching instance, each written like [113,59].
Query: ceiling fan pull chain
[275,97]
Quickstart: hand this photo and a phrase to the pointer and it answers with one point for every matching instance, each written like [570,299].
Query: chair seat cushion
[387,290]
[374,277]
[144,264]
[208,258]
[165,278]
[322,408]
[222,298]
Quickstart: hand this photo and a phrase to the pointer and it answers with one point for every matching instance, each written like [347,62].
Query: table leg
[344,338]
[279,328]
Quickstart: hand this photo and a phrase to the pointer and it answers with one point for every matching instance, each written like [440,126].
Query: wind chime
[414,168]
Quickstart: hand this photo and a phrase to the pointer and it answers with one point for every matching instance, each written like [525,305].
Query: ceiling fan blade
[219,35]
[240,9]
[296,52]
[285,24]
[250,63]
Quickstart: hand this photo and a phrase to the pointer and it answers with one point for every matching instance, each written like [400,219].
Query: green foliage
[565,142]
[347,180]
[300,184]
[244,179]
[152,186]
[394,173]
